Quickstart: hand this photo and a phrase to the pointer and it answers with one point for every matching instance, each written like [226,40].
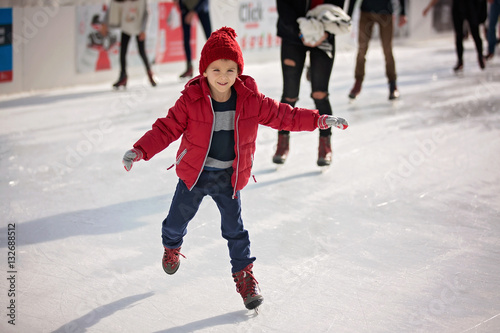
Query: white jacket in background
[132,16]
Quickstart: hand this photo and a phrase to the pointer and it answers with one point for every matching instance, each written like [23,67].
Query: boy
[218,115]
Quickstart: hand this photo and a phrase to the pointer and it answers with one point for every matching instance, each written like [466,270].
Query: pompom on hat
[221,44]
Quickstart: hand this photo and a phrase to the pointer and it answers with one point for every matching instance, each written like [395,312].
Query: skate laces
[246,284]
[171,256]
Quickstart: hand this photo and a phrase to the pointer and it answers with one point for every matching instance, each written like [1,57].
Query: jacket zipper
[210,142]
[179,158]
[237,155]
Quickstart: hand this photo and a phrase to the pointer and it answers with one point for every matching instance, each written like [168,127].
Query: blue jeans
[185,204]
[493,20]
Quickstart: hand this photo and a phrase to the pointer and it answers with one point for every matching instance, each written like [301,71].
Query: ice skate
[188,73]
[282,149]
[480,60]
[356,89]
[393,91]
[324,151]
[248,288]
[459,67]
[151,77]
[170,261]
[122,82]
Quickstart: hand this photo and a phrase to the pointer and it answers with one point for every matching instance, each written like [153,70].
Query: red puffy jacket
[193,117]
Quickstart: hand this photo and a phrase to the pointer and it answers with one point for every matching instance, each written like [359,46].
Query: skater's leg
[492,22]
[472,16]
[123,53]
[186,33]
[386,25]
[233,231]
[458,24]
[366,23]
[141,46]
[204,17]
[293,58]
[183,208]
[321,70]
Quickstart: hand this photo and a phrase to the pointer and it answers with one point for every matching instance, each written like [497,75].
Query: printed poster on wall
[164,38]
[6,45]
[170,46]
[96,52]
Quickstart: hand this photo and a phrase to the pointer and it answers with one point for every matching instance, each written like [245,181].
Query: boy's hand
[131,156]
[326,121]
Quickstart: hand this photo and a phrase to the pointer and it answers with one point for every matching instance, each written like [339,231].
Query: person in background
[464,10]
[217,116]
[378,12]
[492,23]
[294,50]
[189,9]
[132,16]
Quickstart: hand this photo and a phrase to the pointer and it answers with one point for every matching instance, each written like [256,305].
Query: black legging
[466,10]
[320,70]
[141,45]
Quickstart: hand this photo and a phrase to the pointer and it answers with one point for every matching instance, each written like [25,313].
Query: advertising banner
[257,25]
[254,22]
[6,45]
[170,46]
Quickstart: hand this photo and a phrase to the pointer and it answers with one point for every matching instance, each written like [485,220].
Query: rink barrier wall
[44,39]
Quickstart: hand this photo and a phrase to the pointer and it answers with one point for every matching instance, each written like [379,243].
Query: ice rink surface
[400,234]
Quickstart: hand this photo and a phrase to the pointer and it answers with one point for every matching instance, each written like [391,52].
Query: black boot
[459,66]
[151,78]
[480,60]
[122,81]
[393,91]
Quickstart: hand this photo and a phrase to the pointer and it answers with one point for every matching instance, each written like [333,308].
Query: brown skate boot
[356,89]
[170,261]
[282,149]
[324,151]
[248,288]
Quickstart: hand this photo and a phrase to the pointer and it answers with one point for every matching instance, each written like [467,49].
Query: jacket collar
[198,88]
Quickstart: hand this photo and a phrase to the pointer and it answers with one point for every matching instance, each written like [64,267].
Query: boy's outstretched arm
[131,156]
[326,121]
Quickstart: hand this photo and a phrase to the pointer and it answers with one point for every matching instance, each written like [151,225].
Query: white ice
[400,234]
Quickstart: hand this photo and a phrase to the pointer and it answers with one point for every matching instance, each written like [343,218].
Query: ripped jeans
[293,57]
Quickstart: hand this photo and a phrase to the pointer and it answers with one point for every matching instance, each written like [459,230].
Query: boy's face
[221,75]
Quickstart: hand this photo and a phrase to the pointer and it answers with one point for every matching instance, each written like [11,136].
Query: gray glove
[131,156]
[325,121]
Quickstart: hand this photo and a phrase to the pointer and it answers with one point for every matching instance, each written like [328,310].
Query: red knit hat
[221,44]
